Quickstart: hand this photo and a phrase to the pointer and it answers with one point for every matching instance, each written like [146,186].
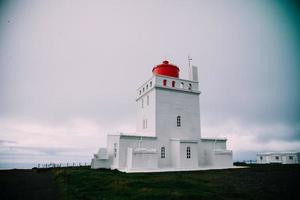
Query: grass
[255,182]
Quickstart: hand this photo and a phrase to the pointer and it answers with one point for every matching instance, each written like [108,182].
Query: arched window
[173,83]
[140,92]
[150,83]
[147,87]
[164,82]
[143,89]
[190,86]
[182,85]
[178,121]
[163,152]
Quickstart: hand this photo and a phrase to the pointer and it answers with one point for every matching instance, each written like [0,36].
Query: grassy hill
[255,182]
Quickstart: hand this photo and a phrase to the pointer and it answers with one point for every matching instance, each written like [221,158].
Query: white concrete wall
[273,158]
[100,163]
[175,153]
[222,158]
[284,158]
[141,159]
[261,159]
[111,140]
[192,162]
[133,142]
[165,104]
[146,113]
[206,149]
[169,105]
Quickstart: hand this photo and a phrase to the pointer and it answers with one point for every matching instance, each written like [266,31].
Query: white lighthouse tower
[168,135]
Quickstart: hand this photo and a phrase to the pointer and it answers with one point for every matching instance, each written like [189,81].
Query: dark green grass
[255,182]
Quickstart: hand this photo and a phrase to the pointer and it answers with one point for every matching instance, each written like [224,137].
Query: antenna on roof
[189,59]
[189,67]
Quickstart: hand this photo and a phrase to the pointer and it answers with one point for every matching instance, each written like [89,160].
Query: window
[173,83]
[277,157]
[142,103]
[143,89]
[163,152]
[147,87]
[188,152]
[291,157]
[150,83]
[182,85]
[261,158]
[190,86]
[140,92]
[145,123]
[147,100]
[164,82]
[178,121]
[115,150]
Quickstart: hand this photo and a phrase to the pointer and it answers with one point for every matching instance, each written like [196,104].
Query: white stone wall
[111,140]
[192,162]
[100,163]
[145,123]
[169,105]
[174,153]
[133,142]
[206,149]
[141,158]
[222,158]
[165,104]
[278,157]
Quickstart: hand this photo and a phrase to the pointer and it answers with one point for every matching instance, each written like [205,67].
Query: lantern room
[166,69]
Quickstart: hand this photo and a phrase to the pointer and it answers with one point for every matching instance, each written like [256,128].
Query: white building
[278,157]
[168,134]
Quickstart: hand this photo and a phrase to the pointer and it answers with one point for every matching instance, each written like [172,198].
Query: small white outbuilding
[168,134]
[278,157]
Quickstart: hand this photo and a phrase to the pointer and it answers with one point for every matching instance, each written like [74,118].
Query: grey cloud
[3,142]
[289,135]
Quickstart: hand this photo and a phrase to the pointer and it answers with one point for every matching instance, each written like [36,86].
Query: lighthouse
[168,133]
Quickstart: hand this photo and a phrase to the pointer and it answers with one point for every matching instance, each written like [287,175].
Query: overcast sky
[69,71]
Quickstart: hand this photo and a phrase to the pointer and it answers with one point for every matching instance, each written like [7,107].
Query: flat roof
[185,140]
[206,138]
[276,153]
[138,136]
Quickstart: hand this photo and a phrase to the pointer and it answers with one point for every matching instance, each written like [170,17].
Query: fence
[61,165]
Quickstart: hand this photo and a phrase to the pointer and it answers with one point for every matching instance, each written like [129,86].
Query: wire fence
[61,165]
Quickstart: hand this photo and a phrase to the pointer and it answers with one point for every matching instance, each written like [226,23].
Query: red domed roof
[166,69]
